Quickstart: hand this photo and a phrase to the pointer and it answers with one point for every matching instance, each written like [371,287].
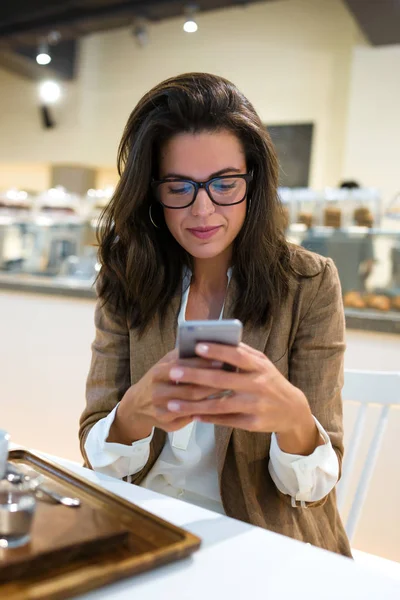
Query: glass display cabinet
[368,262]
[50,241]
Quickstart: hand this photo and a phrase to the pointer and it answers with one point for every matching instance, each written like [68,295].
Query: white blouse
[186,467]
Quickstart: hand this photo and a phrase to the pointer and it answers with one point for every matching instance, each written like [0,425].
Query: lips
[204,232]
[202,229]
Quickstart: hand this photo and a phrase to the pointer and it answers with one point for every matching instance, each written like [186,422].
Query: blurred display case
[49,241]
[392,213]
[336,207]
[368,262]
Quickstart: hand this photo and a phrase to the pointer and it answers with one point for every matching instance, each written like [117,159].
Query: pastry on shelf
[305,218]
[396,303]
[353,300]
[333,217]
[377,302]
[363,217]
[14,200]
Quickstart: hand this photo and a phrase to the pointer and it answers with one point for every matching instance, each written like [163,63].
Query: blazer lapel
[257,338]
[155,343]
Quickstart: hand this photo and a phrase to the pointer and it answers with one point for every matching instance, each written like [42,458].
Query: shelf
[372,320]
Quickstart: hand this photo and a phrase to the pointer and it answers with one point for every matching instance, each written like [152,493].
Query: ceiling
[24,22]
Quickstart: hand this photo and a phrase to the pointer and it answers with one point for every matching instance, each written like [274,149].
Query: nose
[202,206]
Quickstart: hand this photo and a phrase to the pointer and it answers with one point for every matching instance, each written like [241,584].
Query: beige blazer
[305,342]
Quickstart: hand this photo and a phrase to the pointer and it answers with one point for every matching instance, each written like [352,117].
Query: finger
[214,378]
[237,356]
[169,422]
[200,363]
[164,392]
[218,406]
[238,421]
[252,350]
[160,370]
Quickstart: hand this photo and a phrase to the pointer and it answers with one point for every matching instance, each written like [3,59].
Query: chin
[205,251]
[204,255]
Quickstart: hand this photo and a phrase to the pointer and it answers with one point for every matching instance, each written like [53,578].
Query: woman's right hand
[144,405]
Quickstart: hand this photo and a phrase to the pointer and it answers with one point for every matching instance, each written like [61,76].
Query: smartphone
[225,331]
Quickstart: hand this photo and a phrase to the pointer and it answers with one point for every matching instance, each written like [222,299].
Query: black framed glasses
[225,190]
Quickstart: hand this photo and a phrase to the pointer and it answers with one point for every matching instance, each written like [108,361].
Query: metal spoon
[13,475]
[65,500]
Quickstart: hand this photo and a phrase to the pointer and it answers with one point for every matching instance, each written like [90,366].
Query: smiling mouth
[204,229]
[204,232]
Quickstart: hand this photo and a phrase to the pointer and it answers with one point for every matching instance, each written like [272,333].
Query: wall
[36,177]
[22,137]
[45,356]
[106,177]
[372,153]
[25,176]
[291,58]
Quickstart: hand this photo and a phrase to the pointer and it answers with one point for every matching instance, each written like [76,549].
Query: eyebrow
[216,174]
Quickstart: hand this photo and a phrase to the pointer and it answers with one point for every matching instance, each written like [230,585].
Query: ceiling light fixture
[54,37]
[43,57]
[190,25]
[50,92]
[140,31]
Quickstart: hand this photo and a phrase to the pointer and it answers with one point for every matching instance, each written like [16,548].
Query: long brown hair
[141,265]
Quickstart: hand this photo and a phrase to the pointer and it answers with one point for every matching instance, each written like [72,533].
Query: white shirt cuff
[102,453]
[305,478]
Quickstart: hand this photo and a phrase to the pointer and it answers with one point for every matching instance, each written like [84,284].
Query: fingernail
[176,373]
[174,406]
[202,348]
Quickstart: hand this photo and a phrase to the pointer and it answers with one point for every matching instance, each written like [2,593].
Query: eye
[224,185]
[179,187]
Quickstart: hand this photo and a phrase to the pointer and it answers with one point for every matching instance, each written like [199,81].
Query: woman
[194,231]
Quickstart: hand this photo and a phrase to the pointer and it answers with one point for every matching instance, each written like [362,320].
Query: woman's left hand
[260,398]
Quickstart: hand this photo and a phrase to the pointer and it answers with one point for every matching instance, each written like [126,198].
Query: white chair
[367,388]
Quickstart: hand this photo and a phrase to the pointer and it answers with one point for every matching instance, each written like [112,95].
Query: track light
[140,31]
[54,37]
[190,25]
[43,57]
[49,92]
[46,116]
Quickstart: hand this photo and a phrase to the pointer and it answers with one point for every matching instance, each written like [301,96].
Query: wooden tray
[74,550]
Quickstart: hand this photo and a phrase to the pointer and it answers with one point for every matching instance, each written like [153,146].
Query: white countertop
[237,560]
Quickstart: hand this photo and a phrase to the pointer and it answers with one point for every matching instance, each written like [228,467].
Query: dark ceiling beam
[74,19]
[71,17]
[379,19]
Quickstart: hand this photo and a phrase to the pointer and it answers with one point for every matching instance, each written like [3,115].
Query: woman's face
[204,229]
